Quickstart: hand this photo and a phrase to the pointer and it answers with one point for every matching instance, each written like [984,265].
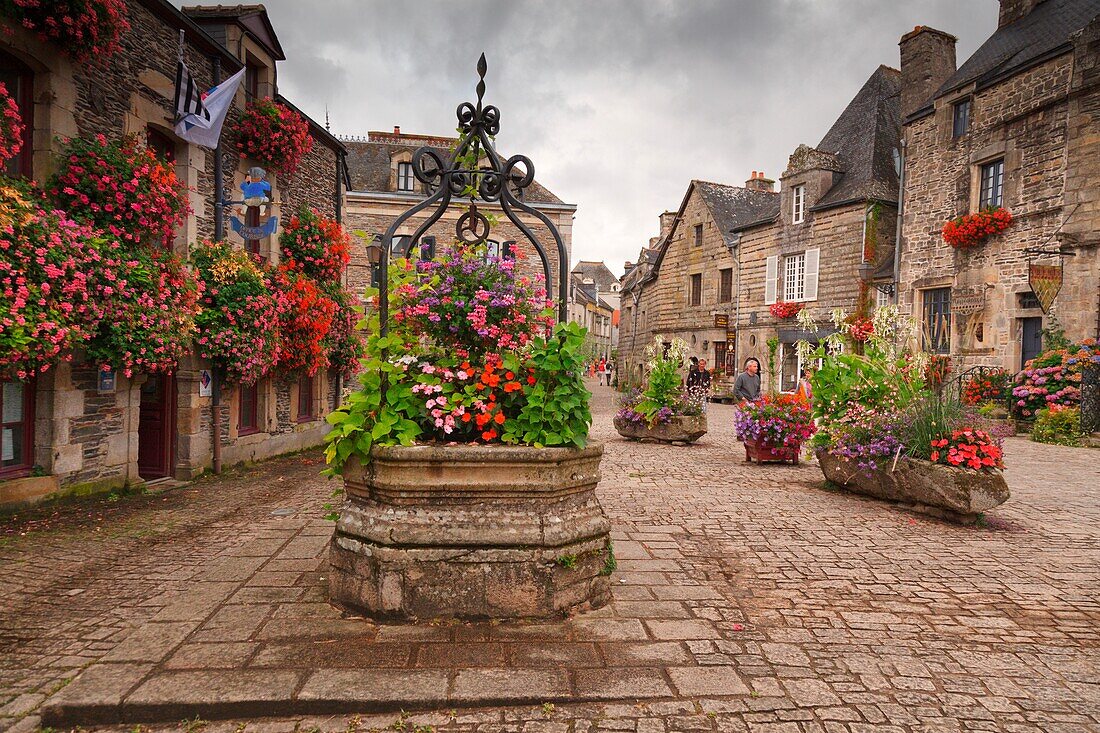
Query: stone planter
[472,532]
[952,493]
[679,429]
[763,452]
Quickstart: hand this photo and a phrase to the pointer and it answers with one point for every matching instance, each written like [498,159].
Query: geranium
[971,230]
[861,329]
[1053,378]
[47,283]
[988,385]
[315,246]
[274,134]
[472,304]
[83,29]
[150,302]
[121,188]
[777,420]
[968,448]
[304,323]
[785,309]
[344,344]
[11,125]
[238,327]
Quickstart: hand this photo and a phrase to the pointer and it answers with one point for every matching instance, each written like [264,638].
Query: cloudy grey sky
[619,103]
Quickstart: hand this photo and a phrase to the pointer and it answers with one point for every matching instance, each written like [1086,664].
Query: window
[725,285]
[16,428]
[882,299]
[993,182]
[19,80]
[164,148]
[404,177]
[960,118]
[798,208]
[698,235]
[248,422]
[305,398]
[794,277]
[252,219]
[696,290]
[937,320]
[251,81]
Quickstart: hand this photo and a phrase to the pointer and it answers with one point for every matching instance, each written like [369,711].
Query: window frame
[695,289]
[251,80]
[253,426]
[936,319]
[698,235]
[725,285]
[305,398]
[996,179]
[798,204]
[794,281]
[25,425]
[405,177]
[957,129]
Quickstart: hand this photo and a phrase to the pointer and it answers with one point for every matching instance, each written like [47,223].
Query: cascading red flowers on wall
[274,134]
[973,229]
[315,246]
[968,448]
[304,323]
[786,309]
[11,125]
[121,188]
[83,29]
[47,304]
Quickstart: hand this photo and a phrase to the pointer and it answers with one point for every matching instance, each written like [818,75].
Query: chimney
[927,61]
[628,267]
[666,223]
[759,182]
[1013,10]
[397,129]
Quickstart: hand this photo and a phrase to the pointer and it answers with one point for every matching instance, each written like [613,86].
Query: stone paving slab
[747,598]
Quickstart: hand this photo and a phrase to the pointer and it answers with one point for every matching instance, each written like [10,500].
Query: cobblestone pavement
[747,598]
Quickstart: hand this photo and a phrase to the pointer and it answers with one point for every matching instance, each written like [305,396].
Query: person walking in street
[747,384]
[600,370]
[607,367]
[692,380]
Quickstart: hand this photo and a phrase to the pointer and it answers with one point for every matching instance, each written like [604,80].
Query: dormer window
[798,204]
[404,177]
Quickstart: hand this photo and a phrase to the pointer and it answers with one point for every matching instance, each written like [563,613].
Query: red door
[157,426]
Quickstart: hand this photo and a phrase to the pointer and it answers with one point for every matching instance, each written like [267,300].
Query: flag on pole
[199,118]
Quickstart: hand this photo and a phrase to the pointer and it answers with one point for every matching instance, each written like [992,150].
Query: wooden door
[1031,339]
[157,426]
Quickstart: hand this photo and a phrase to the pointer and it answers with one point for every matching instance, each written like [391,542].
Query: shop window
[16,428]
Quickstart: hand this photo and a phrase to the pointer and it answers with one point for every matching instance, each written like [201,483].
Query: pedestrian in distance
[805,391]
[747,384]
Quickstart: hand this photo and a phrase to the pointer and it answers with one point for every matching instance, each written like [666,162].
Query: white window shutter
[810,290]
[771,277]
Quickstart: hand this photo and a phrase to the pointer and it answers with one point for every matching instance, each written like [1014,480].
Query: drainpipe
[901,210]
[219,234]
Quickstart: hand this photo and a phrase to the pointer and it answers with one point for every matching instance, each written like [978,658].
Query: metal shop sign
[1045,282]
[721,320]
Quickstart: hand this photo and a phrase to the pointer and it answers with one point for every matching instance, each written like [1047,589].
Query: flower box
[786,309]
[949,492]
[472,531]
[971,230]
[678,429]
[762,451]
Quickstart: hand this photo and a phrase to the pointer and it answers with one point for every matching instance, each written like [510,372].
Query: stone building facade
[382,187]
[83,432]
[594,303]
[1017,125]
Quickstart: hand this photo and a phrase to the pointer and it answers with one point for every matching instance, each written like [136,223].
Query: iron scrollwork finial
[475,171]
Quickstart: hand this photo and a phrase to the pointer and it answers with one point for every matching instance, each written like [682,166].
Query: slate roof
[1041,34]
[863,139]
[597,272]
[734,207]
[369,164]
[253,18]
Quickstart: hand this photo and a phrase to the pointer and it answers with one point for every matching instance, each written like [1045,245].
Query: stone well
[472,531]
[678,429]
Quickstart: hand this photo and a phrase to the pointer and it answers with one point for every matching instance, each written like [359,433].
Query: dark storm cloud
[619,103]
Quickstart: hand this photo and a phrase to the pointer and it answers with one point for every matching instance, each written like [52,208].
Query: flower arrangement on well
[304,323]
[11,125]
[663,396]
[472,357]
[121,188]
[48,285]
[991,385]
[82,29]
[238,326]
[970,230]
[315,246]
[1053,378]
[150,302]
[785,309]
[775,420]
[688,402]
[273,134]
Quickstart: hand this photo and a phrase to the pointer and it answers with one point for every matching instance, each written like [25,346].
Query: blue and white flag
[200,118]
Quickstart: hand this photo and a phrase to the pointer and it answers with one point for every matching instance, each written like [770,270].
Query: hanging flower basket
[304,322]
[82,29]
[315,246]
[786,309]
[970,230]
[11,126]
[121,188]
[274,134]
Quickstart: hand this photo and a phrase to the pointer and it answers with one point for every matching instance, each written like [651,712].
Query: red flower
[785,309]
[971,230]
[273,134]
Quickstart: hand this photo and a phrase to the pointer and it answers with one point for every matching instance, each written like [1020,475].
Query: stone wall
[1025,120]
